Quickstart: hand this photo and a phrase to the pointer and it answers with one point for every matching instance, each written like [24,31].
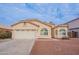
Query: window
[20,29]
[62,31]
[44,31]
[17,29]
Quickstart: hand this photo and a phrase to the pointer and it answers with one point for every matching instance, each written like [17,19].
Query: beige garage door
[24,34]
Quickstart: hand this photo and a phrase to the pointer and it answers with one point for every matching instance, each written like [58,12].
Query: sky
[57,13]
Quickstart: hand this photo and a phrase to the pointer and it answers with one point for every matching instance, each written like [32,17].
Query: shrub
[5,34]
[65,38]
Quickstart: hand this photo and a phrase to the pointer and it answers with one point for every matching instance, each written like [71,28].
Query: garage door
[24,34]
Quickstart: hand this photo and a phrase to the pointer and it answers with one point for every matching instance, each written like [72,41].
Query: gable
[35,22]
[25,25]
[40,23]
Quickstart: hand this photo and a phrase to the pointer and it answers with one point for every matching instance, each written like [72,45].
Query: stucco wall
[30,26]
[41,26]
[24,26]
[58,30]
[21,26]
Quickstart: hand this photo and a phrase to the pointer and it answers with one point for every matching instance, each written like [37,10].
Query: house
[34,28]
[61,31]
[73,28]
[2,27]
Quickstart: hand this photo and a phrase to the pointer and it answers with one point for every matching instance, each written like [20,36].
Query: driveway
[16,47]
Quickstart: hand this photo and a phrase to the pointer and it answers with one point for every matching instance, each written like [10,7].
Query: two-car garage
[24,34]
[24,30]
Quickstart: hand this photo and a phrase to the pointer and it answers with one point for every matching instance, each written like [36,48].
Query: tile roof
[29,20]
[71,21]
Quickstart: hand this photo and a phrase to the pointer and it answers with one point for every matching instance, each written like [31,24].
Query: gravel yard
[56,47]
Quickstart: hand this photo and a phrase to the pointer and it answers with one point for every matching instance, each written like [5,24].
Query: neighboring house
[2,27]
[33,28]
[73,28]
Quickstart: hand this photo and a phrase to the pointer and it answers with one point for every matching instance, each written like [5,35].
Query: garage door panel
[24,34]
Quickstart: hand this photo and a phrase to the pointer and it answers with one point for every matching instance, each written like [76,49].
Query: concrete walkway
[16,47]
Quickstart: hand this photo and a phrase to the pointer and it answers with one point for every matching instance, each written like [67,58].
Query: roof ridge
[33,19]
[72,20]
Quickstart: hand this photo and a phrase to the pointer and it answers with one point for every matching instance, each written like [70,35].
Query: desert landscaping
[56,47]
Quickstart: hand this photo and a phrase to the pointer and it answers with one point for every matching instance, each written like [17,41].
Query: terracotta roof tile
[29,20]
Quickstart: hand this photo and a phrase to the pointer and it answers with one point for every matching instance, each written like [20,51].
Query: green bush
[5,34]
[65,38]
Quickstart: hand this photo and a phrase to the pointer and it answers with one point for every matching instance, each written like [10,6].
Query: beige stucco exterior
[24,26]
[41,26]
[58,35]
[27,26]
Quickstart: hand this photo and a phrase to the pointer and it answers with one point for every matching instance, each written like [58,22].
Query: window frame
[44,31]
[56,31]
[62,31]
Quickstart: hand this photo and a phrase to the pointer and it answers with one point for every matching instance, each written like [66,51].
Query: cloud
[57,13]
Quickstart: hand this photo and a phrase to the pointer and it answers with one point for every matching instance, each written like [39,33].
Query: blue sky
[57,13]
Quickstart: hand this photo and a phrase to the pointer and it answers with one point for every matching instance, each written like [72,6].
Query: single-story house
[34,28]
[5,28]
[73,28]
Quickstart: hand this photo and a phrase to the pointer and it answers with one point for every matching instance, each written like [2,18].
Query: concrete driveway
[16,47]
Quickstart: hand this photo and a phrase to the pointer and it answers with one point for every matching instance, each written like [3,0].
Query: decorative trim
[25,29]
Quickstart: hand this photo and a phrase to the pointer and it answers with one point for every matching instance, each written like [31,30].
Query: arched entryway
[62,33]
